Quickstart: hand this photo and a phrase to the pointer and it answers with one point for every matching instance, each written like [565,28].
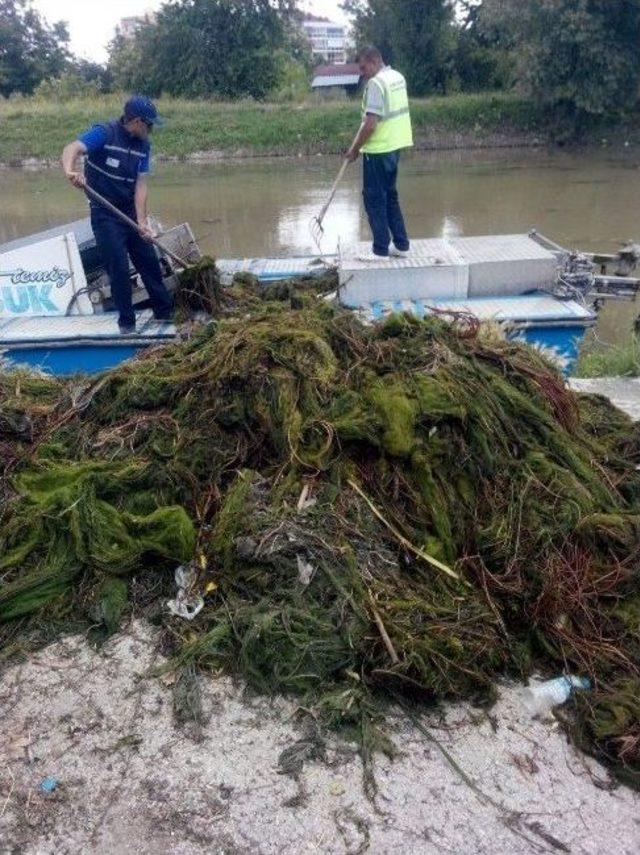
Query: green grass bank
[33,128]
[599,359]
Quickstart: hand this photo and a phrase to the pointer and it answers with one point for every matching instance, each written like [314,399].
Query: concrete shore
[624,392]
[127,779]
[124,777]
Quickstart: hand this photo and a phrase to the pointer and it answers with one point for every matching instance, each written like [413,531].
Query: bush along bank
[600,359]
[36,129]
[412,510]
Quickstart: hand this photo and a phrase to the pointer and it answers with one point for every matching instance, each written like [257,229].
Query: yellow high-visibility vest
[393,130]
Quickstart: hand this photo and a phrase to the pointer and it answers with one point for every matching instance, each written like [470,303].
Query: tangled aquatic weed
[410,509]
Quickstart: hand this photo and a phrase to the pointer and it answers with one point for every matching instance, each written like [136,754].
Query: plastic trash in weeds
[541,698]
[48,785]
[306,571]
[187,604]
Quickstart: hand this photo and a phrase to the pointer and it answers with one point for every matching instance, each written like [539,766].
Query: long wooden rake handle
[118,213]
[332,192]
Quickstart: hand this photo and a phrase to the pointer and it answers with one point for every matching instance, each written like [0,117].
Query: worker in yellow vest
[384,132]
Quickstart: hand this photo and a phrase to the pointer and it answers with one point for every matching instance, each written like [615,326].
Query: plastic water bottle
[541,698]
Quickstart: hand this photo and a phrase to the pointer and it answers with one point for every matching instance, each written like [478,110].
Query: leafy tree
[484,58]
[294,82]
[127,64]
[99,76]
[31,50]
[418,37]
[579,59]
[227,48]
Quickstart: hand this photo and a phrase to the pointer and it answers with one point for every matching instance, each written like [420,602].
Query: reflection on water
[341,225]
[261,207]
[451,227]
[586,199]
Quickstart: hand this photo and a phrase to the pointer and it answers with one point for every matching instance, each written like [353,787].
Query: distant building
[128,27]
[340,75]
[329,41]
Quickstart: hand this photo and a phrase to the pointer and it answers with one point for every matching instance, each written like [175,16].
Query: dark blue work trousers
[117,242]
[380,174]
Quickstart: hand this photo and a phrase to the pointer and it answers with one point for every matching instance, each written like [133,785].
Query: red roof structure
[348,68]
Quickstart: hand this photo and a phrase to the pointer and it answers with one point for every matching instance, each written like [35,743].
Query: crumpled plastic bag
[187,604]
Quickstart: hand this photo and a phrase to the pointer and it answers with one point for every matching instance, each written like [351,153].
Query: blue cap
[141,107]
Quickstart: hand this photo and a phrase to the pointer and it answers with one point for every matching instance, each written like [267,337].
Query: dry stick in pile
[383,632]
[401,538]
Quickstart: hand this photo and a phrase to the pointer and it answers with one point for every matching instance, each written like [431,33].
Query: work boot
[127,329]
[371,257]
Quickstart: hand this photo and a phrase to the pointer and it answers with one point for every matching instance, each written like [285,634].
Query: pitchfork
[315,226]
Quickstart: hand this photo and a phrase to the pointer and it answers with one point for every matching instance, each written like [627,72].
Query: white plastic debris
[185,576]
[306,571]
[186,604]
[305,502]
[541,698]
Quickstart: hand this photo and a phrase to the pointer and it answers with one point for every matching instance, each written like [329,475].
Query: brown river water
[581,199]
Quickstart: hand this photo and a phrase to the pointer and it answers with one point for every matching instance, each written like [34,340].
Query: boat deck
[448,268]
[528,309]
[88,343]
[488,276]
[272,269]
[77,329]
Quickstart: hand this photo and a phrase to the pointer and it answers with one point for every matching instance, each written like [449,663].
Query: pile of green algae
[409,510]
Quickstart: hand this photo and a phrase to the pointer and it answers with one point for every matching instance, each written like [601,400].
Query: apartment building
[129,26]
[329,41]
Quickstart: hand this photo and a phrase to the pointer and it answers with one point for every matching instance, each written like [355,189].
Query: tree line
[578,60]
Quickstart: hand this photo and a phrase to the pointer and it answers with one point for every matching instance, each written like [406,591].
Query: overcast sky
[92,22]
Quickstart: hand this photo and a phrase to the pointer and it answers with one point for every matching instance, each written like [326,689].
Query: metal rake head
[317,231]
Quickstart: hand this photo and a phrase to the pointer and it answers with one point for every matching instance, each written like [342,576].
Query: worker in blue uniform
[118,155]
